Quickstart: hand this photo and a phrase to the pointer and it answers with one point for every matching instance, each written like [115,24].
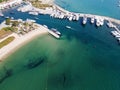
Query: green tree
[8,21]
[15,23]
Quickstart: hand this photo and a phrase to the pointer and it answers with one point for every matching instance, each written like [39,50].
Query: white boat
[30,20]
[33,13]
[12,18]
[68,27]
[110,25]
[92,20]
[101,21]
[45,26]
[55,30]
[98,23]
[115,34]
[54,33]
[77,17]
[70,18]
[84,20]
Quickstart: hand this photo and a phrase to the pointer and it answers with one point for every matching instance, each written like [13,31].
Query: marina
[60,13]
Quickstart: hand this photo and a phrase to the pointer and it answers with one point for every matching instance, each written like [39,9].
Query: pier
[88,15]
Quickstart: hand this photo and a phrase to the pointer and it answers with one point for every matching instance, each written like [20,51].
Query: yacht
[55,30]
[33,13]
[98,23]
[70,18]
[7,17]
[92,20]
[54,33]
[84,20]
[110,25]
[77,17]
[101,21]
[68,27]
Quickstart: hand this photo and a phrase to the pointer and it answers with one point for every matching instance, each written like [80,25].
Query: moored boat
[54,33]
[92,20]
[33,13]
[84,20]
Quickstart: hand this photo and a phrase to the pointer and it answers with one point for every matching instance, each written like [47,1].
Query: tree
[15,23]
[8,21]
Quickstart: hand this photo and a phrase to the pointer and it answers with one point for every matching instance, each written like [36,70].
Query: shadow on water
[35,62]
[59,81]
[7,73]
[32,63]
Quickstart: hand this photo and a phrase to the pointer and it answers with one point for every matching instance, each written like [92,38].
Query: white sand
[47,1]
[20,41]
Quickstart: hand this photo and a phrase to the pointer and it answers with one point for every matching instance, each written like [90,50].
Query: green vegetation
[4,33]
[3,0]
[12,29]
[15,23]
[39,4]
[6,72]
[6,41]
[8,21]
[7,31]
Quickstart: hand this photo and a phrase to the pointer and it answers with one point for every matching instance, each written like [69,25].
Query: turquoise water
[85,58]
[85,65]
[99,7]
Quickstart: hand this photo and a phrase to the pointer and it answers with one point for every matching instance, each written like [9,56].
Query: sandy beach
[20,41]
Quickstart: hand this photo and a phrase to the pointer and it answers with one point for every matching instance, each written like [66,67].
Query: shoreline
[20,41]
